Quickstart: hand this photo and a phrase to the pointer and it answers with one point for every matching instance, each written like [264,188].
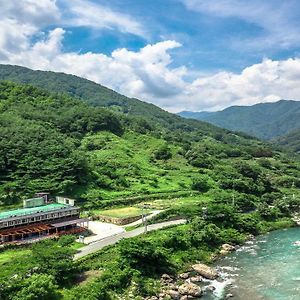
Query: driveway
[111,240]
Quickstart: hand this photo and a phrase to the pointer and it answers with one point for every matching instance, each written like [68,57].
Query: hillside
[56,143]
[264,120]
[108,159]
[291,141]
[98,95]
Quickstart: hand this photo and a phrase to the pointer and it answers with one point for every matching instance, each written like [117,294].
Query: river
[267,268]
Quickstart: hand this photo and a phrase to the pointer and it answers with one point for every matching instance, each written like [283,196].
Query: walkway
[93,247]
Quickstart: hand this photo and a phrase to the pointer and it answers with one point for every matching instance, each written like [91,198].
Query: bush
[201,184]
[163,153]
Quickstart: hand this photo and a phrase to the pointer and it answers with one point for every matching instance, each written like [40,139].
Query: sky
[178,54]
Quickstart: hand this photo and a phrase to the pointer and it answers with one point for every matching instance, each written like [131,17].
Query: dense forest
[108,157]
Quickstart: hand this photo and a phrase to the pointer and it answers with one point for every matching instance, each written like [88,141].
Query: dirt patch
[87,276]
[117,221]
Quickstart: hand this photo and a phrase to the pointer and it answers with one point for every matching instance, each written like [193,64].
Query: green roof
[32,210]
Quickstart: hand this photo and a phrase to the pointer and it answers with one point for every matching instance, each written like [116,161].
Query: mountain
[228,185]
[263,120]
[54,142]
[98,95]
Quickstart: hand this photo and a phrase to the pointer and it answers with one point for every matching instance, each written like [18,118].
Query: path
[93,247]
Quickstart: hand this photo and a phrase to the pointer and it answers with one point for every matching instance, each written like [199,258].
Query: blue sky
[210,41]
[178,54]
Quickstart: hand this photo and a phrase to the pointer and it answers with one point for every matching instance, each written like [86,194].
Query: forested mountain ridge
[263,120]
[98,95]
[56,143]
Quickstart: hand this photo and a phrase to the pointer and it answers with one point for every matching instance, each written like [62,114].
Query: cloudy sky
[178,54]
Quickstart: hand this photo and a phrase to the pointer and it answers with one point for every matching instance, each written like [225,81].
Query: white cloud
[87,14]
[146,74]
[279,20]
[37,13]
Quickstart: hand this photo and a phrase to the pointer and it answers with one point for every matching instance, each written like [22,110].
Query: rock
[197,278]
[205,271]
[228,296]
[165,279]
[172,286]
[174,294]
[251,237]
[185,297]
[190,289]
[184,275]
[210,288]
[224,252]
[153,298]
[227,247]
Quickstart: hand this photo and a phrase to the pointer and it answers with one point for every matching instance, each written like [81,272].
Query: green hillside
[264,120]
[53,142]
[291,141]
[107,159]
[98,95]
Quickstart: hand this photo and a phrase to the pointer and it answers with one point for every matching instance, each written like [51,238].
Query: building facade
[37,222]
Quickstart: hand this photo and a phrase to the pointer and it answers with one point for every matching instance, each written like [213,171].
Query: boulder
[185,297]
[205,271]
[227,247]
[190,289]
[165,279]
[174,294]
[184,275]
[196,278]
[224,252]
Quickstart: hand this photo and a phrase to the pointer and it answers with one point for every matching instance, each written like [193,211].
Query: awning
[70,222]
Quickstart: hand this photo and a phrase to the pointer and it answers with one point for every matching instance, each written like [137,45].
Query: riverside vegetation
[227,185]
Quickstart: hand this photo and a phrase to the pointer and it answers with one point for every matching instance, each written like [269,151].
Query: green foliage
[143,256]
[163,153]
[38,287]
[55,258]
[201,184]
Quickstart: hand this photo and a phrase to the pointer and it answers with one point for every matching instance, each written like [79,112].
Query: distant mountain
[263,120]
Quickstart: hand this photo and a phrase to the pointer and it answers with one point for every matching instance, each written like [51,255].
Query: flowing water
[267,268]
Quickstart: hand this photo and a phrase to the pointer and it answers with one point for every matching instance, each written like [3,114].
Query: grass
[131,155]
[15,261]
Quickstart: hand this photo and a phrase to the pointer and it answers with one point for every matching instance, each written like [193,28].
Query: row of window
[43,217]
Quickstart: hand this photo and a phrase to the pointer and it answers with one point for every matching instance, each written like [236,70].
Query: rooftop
[33,210]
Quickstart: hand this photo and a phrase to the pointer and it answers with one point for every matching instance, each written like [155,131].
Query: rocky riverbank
[192,284]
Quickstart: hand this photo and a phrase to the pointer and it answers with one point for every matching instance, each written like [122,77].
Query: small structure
[39,220]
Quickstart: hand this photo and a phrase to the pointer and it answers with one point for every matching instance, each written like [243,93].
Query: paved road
[91,248]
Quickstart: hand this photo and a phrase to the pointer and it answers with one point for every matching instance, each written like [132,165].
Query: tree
[143,256]
[38,287]
[55,259]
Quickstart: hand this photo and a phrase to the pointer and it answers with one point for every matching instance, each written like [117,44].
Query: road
[93,247]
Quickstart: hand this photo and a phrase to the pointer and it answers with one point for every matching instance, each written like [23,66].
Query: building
[39,219]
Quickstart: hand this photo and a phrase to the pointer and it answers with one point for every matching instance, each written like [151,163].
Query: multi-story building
[39,219]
